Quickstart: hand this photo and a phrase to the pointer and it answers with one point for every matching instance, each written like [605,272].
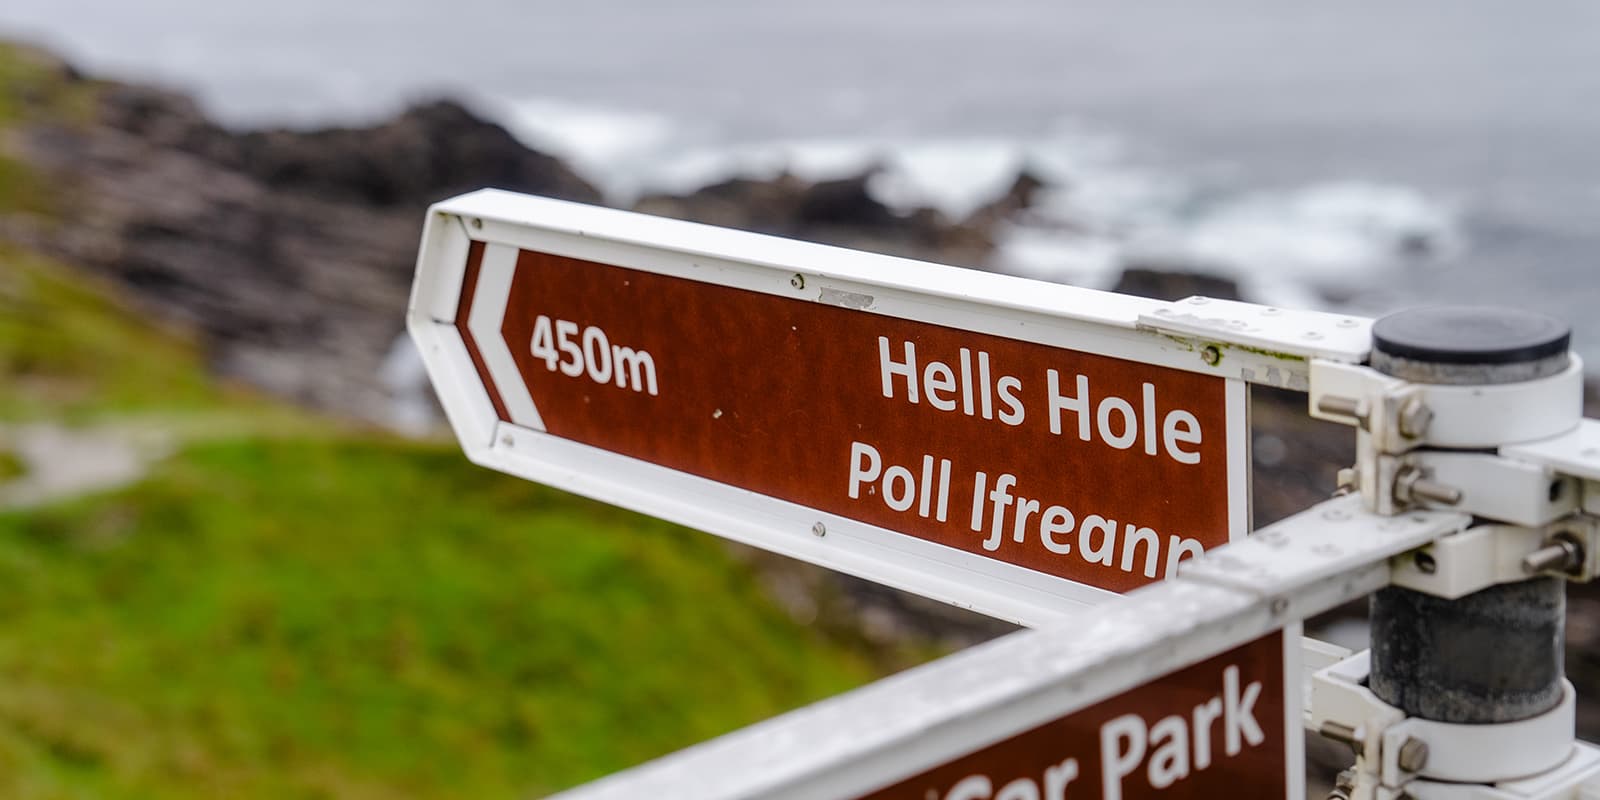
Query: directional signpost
[982,442]
[1031,450]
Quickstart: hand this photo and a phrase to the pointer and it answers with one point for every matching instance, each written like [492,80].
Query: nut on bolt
[1558,554]
[1341,733]
[1339,406]
[1343,785]
[1347,480]
[1412,484]
[1415,417]
[1413,755]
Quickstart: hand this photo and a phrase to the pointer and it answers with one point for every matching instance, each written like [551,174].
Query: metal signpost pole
[1463,688]
[1494,655]
[1028,451]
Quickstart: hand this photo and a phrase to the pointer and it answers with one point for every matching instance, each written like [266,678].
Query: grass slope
[35,89]
[68,351]
[343,618]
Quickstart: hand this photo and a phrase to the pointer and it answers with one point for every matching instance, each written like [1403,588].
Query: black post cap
[1470,335]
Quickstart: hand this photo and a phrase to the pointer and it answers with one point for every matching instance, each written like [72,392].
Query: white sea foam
[1337,237]
[956,176]
[681,171]
[1099,211]
[608,146]
[1061,256]
[411,408]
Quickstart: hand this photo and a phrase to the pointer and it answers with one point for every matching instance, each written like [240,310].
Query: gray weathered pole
[1495,655]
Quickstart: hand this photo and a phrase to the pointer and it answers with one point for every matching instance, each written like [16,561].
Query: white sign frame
[1073,318]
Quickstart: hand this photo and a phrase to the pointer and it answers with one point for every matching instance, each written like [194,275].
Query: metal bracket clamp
[1576,453]
[1569,548]
[1472,560]
[1483,484]
[1490,555]
[1402,416]
[1392,484]
[1394,752]
[1481,753]
[1577,778]
[1344,710]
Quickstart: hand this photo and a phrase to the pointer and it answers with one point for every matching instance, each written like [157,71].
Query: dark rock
[431,151]
[162,118]
[1162,284]
[763,206]
[1014,202]
[846,203]
[841,212]
[290,252]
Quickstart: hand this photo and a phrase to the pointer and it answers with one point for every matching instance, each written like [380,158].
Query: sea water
[1363,154]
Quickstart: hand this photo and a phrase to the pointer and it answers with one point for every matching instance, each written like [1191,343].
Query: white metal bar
[1575,453]
[438,281]
[1287,333]
[667,235]
[872,737]
[1334,537]
[462,395]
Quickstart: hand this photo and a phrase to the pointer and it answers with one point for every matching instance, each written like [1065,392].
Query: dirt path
[63,462]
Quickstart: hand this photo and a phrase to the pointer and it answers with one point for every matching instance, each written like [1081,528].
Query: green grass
[11,465]
[345,618]
[67,350]
[24,190]
[34,90]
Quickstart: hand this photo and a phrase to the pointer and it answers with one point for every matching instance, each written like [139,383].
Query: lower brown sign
[1212,730]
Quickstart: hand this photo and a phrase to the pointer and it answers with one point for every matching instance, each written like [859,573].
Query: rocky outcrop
[1174,284]
[291,252]
[841,212]
[433,150]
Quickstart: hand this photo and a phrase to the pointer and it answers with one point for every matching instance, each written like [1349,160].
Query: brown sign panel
[1098,470]
[1215,729]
